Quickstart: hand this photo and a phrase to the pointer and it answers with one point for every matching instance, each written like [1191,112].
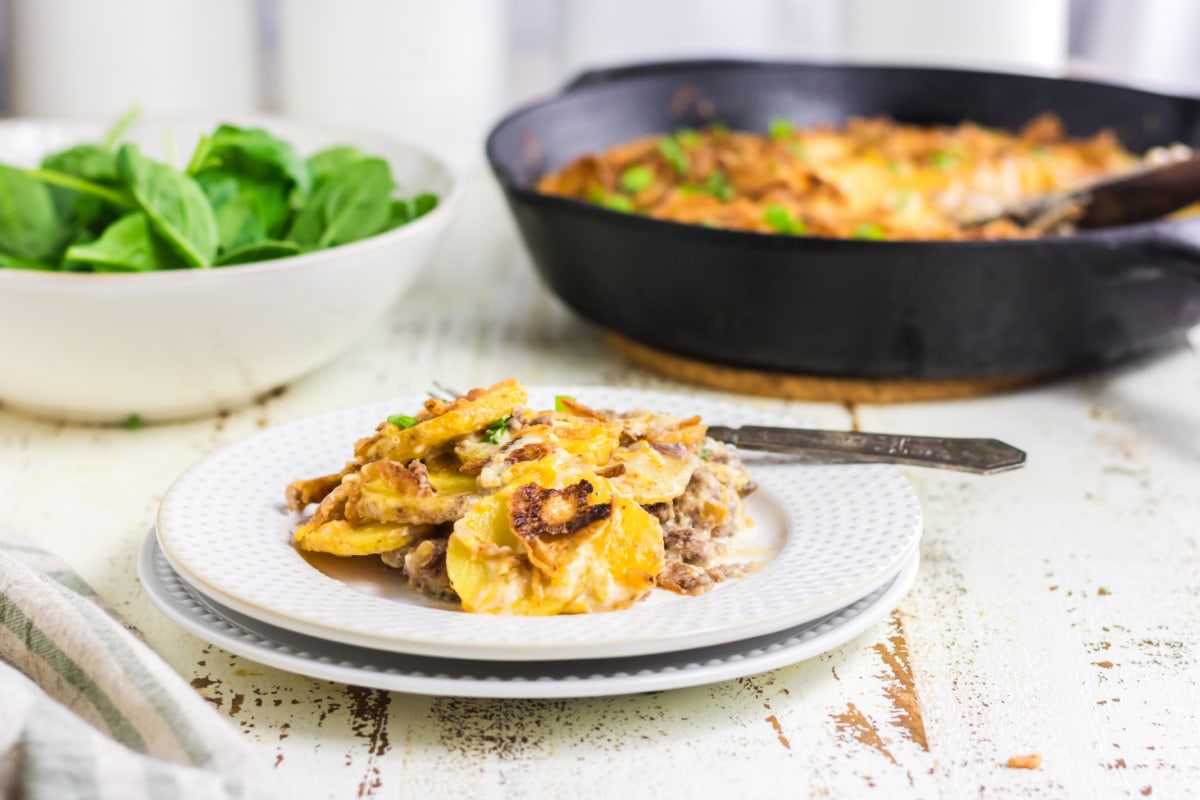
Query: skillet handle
[603,75]
[1174,248]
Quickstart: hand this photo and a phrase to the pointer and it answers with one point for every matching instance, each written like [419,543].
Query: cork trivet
[816,388]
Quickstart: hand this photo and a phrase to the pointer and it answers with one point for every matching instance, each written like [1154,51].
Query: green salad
[244,196]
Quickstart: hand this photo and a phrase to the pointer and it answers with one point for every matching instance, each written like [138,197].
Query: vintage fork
[978,456]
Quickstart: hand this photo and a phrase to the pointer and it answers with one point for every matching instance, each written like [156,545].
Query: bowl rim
[434,220]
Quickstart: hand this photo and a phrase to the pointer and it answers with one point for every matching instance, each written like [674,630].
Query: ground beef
[698,524]
[686,544]
[425,566]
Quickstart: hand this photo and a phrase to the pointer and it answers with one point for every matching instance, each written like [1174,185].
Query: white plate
[318,658]
[828,535]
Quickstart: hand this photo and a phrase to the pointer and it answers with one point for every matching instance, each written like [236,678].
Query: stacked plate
[837,547]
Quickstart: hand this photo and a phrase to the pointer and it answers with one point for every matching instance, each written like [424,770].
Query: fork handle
[979,456]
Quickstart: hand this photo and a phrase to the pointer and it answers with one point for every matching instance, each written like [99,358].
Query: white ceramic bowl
[183,343]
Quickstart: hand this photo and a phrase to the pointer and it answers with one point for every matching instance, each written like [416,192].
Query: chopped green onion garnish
[718,186]
[704,452]
[612,200]
[718,129]
[781,220]
[901,199]
[558,401]
[132,422]
[1041,151]
[944,160]
[495,432]
[673,152]
[780,128]
[868,230]
[798,150]
[893,165]
[618,202]
[402,420]
[689,137]
[637,178]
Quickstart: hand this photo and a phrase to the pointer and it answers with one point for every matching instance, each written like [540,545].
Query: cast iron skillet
[850,307]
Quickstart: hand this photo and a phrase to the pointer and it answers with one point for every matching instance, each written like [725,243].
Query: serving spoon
[1138,196]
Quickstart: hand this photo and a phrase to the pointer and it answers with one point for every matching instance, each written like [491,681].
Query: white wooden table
[1057,610]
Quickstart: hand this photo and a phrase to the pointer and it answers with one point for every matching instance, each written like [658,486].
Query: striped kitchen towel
[89,711]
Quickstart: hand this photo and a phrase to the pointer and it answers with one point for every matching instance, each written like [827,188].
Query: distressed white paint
[1006,626]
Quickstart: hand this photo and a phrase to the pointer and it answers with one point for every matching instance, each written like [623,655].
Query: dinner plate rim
[299,654]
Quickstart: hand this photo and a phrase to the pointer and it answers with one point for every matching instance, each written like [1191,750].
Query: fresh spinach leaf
[405,211]
[248,210]
[96,167]
[175,204]
[15,262]
[402,214]
[86,161]
[423,204]
[325,163]
[354,203]
[119,127]
[199,156]
[128,245]
[115,196]
[266,250]
[254,153]
[29,224]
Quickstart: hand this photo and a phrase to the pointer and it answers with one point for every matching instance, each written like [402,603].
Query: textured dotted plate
[399,672]
[828,535]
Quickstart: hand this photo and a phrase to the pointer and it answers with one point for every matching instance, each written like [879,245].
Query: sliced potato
[488,568]
[340,538]
[650,475]
[678,431]
[590,439]
[446,478]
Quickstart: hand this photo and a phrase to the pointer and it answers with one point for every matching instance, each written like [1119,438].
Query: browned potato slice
[302,492]
[442,423]
[554,568]
[392,493]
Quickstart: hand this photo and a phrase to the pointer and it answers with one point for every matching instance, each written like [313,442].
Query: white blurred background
[441,71]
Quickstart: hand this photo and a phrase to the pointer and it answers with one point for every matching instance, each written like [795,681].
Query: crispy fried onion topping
[529,452]
[534,512]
